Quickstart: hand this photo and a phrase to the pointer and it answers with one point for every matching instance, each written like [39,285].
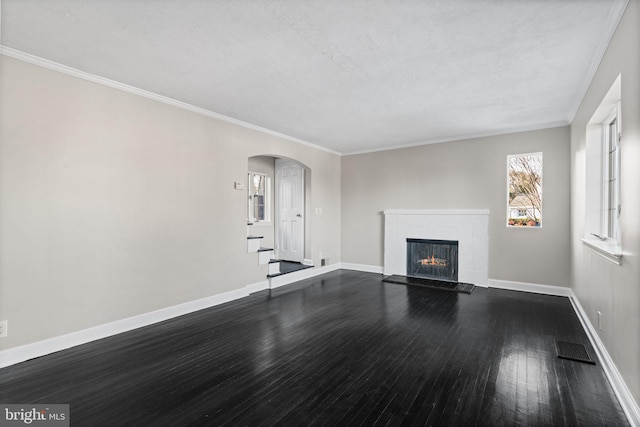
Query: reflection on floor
[342,348]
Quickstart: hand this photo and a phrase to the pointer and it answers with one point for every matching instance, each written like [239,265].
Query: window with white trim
[524,190]
[611,177]
[258,197]
[603,205]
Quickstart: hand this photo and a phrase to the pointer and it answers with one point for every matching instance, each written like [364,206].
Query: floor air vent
[573,351]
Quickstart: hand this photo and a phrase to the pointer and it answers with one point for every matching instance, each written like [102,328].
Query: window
[259,197]
[603,205]
[524,201]
[611,176]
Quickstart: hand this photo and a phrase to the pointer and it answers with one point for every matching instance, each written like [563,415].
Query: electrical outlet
[599,320]
[4,325]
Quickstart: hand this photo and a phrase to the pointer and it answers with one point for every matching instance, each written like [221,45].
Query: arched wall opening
[266,164]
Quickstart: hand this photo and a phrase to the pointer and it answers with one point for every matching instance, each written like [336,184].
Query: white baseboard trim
[257,287]
[362,267]
[307,273]
[530,287]
[628,403]
[41,348]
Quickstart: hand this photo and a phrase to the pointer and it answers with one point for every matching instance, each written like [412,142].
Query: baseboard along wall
[41,348]
[26,352]
[628,403]
[63,342]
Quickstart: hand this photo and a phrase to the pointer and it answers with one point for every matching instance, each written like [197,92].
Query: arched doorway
[278,191]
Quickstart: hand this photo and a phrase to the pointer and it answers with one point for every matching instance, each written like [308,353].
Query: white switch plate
[4,328]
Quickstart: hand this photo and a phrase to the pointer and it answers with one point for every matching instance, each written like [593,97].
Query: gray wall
[464,174]
[114,205]
[600,284]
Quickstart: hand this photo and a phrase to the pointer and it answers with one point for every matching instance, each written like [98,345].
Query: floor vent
[573,351]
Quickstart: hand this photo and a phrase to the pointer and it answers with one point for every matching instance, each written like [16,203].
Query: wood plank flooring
[341,349]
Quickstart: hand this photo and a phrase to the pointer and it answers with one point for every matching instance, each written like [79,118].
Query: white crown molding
[466,137]
[613,20]
[54,66]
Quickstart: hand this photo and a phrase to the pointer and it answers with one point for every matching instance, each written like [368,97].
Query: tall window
[602,176]
[524,202]
[259,197]
[611,176]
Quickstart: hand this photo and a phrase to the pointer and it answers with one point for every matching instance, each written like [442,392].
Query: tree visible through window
[259,197]
[524,206]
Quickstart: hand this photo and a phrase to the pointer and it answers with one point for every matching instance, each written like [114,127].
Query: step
[274,268]
[286,267]
[253,243]
[265,255]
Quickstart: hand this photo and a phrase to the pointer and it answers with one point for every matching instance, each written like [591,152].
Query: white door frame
[289,210]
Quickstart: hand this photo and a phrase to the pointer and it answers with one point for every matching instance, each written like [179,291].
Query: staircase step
[274,268]
[264,255]
[253,243]
[285,267]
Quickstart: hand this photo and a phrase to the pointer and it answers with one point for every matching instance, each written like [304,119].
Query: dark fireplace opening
[432,259]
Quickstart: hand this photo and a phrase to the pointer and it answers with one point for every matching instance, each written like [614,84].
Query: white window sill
[607,249]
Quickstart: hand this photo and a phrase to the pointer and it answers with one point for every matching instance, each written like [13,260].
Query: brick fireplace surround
[470,227]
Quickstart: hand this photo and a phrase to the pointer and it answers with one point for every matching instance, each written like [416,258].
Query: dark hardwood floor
[341,349]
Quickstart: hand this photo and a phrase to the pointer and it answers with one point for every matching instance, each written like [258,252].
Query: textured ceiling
[347,75]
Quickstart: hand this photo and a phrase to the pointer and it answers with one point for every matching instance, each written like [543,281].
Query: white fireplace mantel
[470,227]
[437,212]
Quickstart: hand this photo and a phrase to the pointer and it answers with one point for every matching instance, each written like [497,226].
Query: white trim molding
[628,403]
[41,348]
[257,287]
[295,276]
[562,291]
[611,252]
[362,267]
[45,63]
[436,212]
[19,354]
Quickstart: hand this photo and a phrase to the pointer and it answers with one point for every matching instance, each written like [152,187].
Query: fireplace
[432,259]
[469,227]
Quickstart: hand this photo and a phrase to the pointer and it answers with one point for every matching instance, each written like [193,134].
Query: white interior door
[289,210]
